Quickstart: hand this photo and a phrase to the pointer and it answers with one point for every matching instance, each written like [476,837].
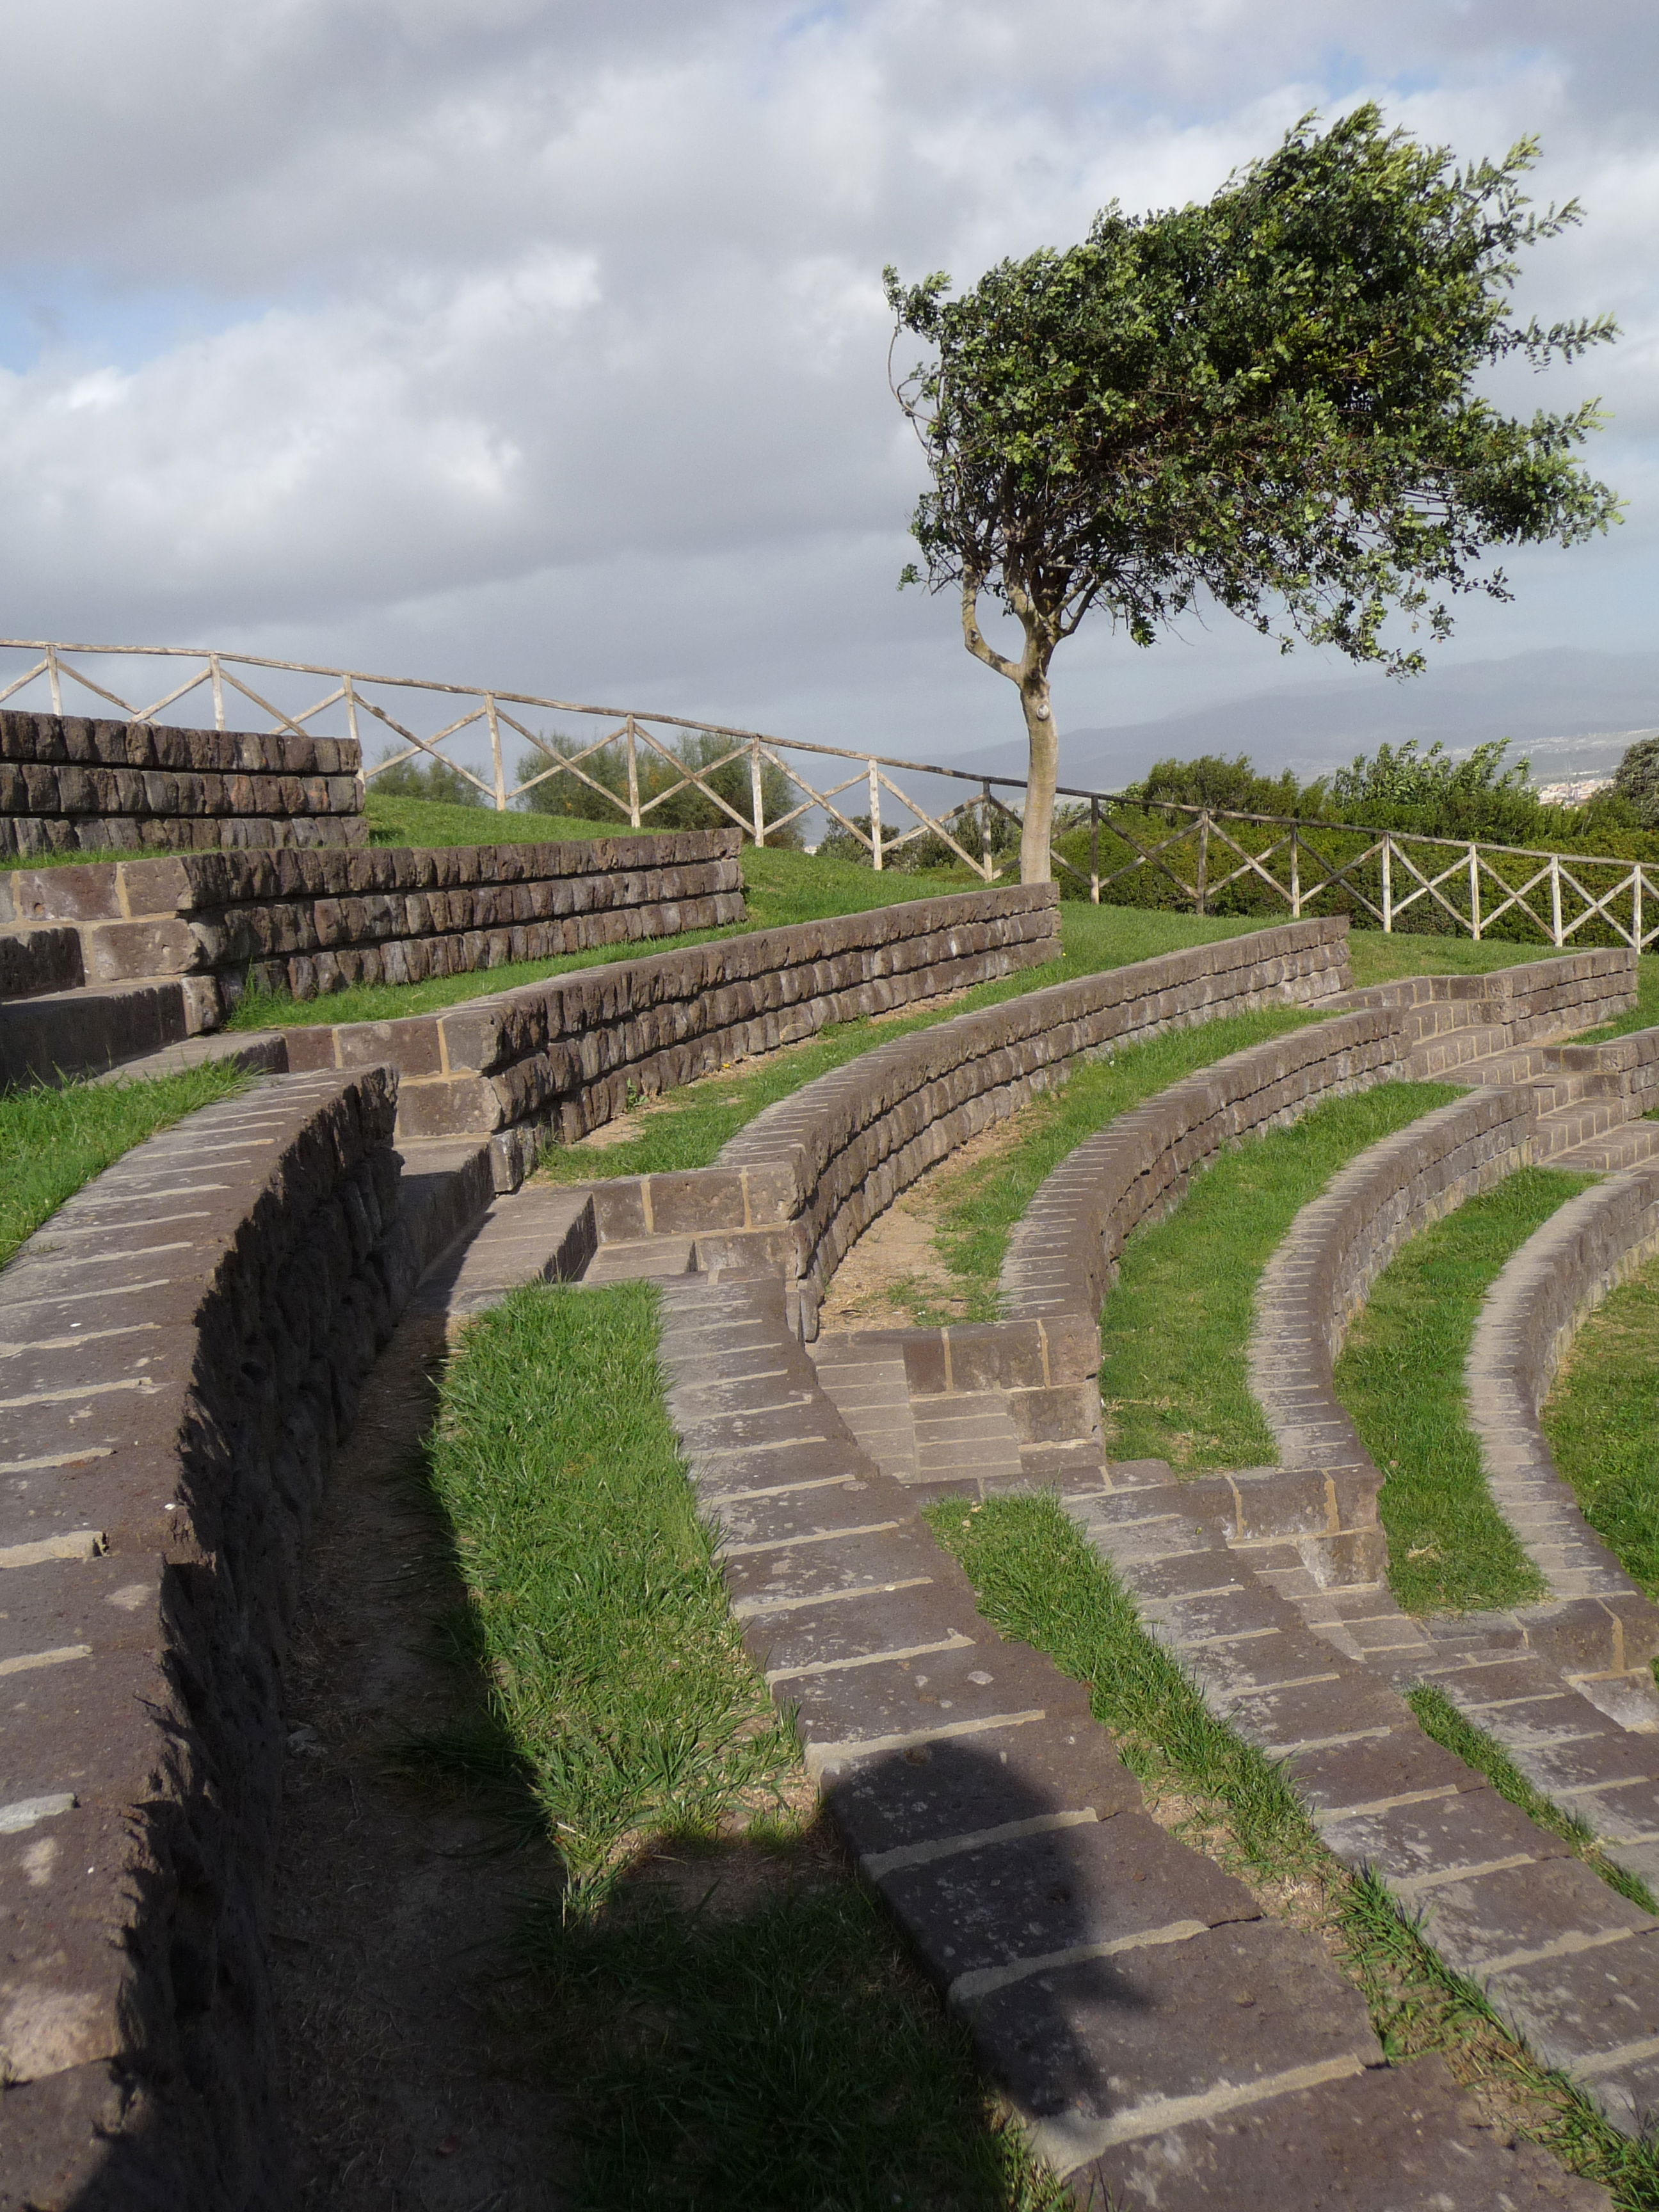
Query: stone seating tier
[68,784]
[308,923]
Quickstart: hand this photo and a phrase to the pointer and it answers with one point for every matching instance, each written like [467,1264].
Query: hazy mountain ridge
[1571,712]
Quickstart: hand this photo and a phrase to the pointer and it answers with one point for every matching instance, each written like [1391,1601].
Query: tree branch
[973,639]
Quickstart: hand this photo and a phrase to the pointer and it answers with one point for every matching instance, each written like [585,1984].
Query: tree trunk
[1036,865]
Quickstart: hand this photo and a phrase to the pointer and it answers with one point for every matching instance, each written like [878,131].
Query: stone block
[1096,2051]
[1391,2139]
[973,1913]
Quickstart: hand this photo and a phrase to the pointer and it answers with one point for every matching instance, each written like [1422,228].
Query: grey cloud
[555,332]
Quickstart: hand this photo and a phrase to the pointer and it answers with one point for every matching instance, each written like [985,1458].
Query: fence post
[495,760]
[351,721]
[219,693]
[755,791]
[1637,883]
[1203,859]
[1094,849]
[875,819]
[633,774]
[1296,878]
[52,678]
[1475,893]
[1388,884]
[1555,902]
[985,831]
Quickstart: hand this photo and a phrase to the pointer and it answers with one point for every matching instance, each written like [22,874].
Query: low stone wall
[1340,1243]
[1538,997]
[312,922]
[1532,1313]
[1063,1252]
[567,1056]
[852,1141]
[82,1032]
[71,785]
[184,1344]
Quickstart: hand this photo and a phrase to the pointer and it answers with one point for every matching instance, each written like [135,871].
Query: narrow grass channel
[52,1141]
[1602,1423]
[1440,1718]
[1037,1579]
[1401,1377]
[727,2014]
[1175,1328]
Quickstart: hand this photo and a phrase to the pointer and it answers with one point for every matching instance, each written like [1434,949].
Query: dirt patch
[896,1274]
[413,2081]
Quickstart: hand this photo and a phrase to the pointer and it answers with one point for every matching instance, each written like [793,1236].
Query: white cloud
[546,341]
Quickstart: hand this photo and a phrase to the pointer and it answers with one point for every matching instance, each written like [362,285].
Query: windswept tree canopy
[1269,402]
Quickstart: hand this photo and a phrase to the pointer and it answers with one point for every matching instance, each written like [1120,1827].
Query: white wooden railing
[1465,885]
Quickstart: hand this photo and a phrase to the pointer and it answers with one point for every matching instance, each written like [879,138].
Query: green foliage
[1403,787]
[428,824]
[1269,401]
[929,851]
[1236,784]
[668,800]
[1635,780]
[437,781]
[597,1607]
[788,2057]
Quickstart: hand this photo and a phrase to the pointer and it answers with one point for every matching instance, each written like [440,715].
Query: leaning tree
[1269,402]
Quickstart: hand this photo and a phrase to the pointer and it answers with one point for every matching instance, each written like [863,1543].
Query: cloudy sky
[542,341]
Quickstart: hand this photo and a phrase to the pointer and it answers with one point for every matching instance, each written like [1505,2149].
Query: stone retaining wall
[183,1348]
[852,1140]
[567,1056]
[312,922]
[71,785]
[1063,1252]
[1340,1242]
[1574,990]
[1532,1313]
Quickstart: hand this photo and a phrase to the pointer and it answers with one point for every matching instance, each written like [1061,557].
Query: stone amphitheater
[186,1341]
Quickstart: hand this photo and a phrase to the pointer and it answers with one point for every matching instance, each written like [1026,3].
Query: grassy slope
[1401,1377]
[714,2053]
[53,1141]
[1602,1422]
[1176,1325]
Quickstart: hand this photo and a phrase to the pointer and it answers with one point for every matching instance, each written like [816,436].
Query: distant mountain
[1572,712]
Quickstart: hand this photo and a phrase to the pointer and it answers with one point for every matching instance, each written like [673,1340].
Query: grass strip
[731,2019]
[1175,1326]
[1602,1422]
[1401,1377]
[598,1611]
[1038,1580]
[1440,1718]
[52,1141]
